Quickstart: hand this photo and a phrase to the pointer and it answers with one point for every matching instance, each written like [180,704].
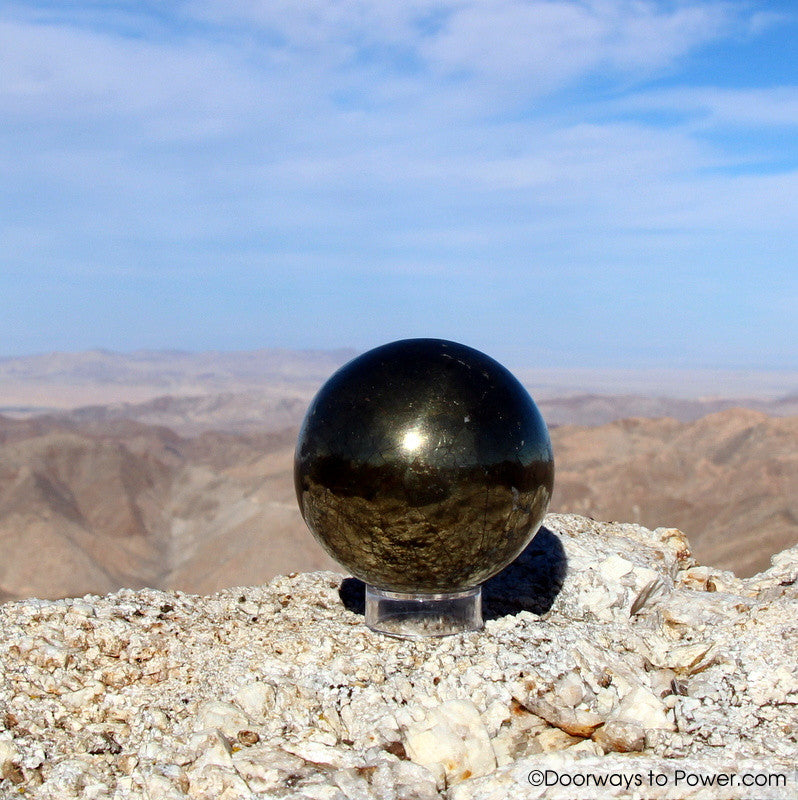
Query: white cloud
[771,107]
[232,66]
[61,73]
[513,38]
[547,44]
[362,126]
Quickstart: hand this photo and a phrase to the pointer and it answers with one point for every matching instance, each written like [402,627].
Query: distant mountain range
[56,381]
[174,470]
[277,408]
[270,389]
[729,480]
[94,506]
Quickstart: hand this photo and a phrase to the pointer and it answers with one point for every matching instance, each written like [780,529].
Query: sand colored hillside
[101,377]
[269,389]
[729,480]
[100,505]
[104,506]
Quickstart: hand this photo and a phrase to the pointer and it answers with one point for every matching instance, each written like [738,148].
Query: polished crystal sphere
[423,466]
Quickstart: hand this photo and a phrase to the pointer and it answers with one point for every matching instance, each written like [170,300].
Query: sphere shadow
[530,583]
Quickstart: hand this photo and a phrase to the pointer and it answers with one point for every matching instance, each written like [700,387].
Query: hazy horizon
[599,366]
[109,376]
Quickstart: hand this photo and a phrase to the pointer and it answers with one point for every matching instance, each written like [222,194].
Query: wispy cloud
[771,107]
[426,138]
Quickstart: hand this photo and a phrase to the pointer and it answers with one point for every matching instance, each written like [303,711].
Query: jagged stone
[641,707]
[620,736]
[574,721]
[452,736]
[608,631]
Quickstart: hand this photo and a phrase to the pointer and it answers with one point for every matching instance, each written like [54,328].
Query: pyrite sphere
[423,466]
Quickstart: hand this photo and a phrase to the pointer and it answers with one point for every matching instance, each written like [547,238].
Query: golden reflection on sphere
[423,466]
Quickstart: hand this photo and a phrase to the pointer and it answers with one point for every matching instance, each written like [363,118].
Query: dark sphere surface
[423,466]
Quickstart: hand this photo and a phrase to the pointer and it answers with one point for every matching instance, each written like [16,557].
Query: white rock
[413,782]
[453,736]
[82,607]
[353,785]
[585,748]
[661,682]
[612,569]
[574,721]
[551,739]
[319,753]
[641,707]
[224,717]
[161,787]
[570,690]
[256,699]
[266,768]
[9,752]
[645,576]
[686,658]
[620,736]
[321,791]
[308,675]
[495,716]
[211,749]
[81,698]
[216,783]
[518,737]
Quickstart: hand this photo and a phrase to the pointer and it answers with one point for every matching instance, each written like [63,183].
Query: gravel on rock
[611,665]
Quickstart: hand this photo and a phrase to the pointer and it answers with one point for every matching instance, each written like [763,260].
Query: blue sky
[561,183]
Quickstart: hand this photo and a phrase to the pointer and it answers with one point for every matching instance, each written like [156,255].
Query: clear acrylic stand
[417,616]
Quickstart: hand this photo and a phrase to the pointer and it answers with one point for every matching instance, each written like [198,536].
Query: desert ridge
[97,505]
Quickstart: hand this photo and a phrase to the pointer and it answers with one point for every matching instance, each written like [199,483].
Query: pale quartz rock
[224,717]
[50,656]
[9,758]
[661,682]
[82,697]
[454,736]
[641,707]
[256,699]
[266,768]
[620,736]
[553,740]
[574,721]
[156,719]
[352,784]
[216,783]
[496,715]
[687,658]
[569,690]
[321,792]
[82,608]
[697,578]
[518,737]
[413,782]
[163,788]
[612,569]
[318,753]
[585,748]
[212,749]
[768,685]
[120,713]
[643,576]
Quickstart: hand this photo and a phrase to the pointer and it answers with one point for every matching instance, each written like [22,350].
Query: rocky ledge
[611,665]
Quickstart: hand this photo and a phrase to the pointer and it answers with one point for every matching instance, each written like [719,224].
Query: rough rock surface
[611,665]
